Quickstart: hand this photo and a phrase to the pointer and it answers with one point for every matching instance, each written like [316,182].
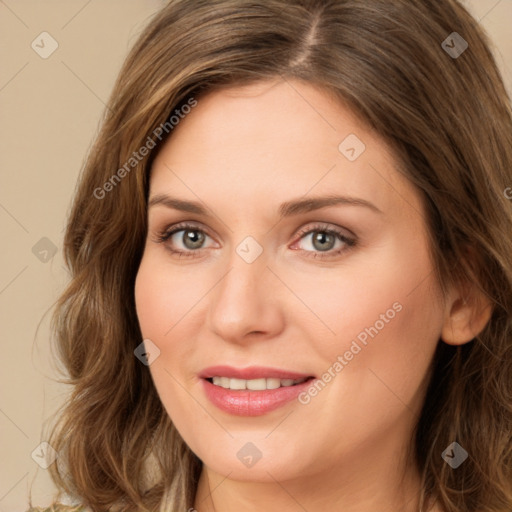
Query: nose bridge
[247,267]
[243,301]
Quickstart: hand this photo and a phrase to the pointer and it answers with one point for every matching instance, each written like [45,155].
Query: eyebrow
[286,209]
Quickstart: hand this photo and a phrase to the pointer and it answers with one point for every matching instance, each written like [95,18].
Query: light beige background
[50,110]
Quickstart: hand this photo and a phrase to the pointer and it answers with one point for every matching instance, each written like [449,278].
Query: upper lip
[251,372]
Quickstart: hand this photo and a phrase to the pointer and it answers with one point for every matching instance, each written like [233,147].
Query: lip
[251,403]
[252,372]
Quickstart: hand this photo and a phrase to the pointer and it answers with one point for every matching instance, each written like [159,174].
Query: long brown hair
[448,119]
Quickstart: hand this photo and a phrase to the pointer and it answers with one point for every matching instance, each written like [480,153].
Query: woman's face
[271,282]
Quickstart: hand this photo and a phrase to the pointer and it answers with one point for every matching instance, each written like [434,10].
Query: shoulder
[60,507]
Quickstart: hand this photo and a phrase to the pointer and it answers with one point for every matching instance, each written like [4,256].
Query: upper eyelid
[181,226]
[325,226]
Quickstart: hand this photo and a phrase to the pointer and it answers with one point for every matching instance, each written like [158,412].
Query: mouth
[252,391]
[255,384]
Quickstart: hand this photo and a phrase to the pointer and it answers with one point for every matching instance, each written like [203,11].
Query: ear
[467,312]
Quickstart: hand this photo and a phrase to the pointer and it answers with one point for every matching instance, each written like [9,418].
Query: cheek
[383,312]
[170,310]
[151,297]
[387,323]
[162,299]
[389,289]
[163,296]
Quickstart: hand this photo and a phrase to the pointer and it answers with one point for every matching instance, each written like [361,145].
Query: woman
[222,355]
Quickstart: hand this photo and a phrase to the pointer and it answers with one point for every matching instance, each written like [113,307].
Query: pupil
[322,237]
[194,238]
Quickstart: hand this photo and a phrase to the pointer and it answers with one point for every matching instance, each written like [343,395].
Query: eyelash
[164,236]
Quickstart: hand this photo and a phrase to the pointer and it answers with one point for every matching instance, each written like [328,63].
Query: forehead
[273,141]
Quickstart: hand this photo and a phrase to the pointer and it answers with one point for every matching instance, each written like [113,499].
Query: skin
[241,153]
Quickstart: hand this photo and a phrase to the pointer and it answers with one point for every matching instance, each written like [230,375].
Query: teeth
[255,384]
[273,383]
[237,384]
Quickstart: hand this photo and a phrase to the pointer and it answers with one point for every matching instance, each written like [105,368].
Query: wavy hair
[448,119]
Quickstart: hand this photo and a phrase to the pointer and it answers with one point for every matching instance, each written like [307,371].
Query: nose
[246,302]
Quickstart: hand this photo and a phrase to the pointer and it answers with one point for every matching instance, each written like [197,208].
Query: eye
[192,239]
[322,239]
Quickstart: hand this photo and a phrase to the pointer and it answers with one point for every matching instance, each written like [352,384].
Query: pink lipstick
[252,391]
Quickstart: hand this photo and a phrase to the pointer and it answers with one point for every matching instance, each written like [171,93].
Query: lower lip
[252,403]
